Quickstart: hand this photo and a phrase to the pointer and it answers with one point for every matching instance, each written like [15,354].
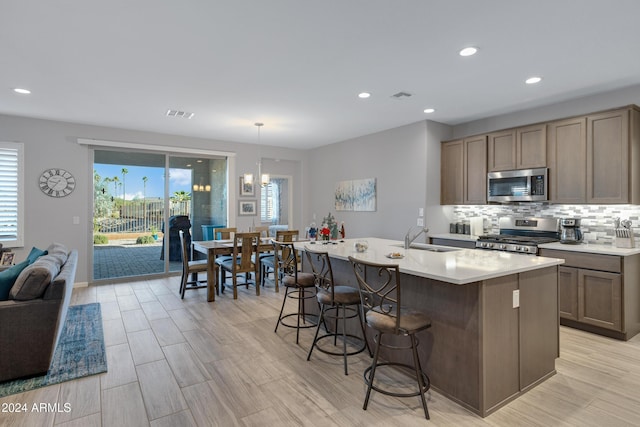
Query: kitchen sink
[430,248]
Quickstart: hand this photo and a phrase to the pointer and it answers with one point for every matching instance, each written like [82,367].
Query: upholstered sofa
[32,317]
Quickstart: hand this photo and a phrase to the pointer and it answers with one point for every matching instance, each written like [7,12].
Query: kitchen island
[494,315]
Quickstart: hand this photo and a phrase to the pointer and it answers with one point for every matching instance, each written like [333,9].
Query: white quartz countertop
[592,248]
[457,266]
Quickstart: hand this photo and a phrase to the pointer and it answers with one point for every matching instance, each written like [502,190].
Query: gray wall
[406,164]
[54,144]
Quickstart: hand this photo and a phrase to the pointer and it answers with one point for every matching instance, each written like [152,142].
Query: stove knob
[519,248]
[503,246]
[489,245]
[525,249]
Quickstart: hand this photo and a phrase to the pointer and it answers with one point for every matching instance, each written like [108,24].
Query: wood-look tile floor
[187,362]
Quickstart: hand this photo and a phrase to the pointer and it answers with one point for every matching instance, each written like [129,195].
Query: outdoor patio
[125,258]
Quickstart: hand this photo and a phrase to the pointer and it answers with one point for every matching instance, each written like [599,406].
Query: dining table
[215,248]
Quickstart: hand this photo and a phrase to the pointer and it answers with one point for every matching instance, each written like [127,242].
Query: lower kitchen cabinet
[466,244]
[599,293]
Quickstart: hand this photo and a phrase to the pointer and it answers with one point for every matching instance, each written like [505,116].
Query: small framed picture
[247,207]
[246,189]
[7,258]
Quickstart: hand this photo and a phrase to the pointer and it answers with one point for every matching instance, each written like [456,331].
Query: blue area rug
[80,351]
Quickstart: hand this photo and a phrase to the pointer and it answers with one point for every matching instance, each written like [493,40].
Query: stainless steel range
[522,235]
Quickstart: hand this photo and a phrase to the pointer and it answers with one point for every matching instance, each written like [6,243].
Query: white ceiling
[298,65]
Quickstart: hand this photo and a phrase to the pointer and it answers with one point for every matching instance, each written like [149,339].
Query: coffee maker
[570,230]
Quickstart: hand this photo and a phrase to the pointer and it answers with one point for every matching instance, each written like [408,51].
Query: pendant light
[264,177]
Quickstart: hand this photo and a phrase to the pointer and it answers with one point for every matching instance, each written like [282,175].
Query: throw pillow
[8,278]
[34,279]
[59,252]
[35,254]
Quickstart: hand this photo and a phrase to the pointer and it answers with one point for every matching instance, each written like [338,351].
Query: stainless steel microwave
[523,185]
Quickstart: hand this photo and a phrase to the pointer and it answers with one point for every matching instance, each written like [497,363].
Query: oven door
[525,185]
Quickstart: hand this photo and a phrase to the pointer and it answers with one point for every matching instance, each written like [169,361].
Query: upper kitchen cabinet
[463,170]
[613,157]
[451,175]
[475,171]
[520,148]
[567,160]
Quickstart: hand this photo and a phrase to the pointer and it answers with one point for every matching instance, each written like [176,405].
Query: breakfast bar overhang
[494,315]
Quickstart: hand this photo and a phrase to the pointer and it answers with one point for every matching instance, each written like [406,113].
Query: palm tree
[124,190]
[180,196]
[144,203]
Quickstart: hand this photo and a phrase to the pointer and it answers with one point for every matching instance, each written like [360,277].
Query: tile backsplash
[597,220]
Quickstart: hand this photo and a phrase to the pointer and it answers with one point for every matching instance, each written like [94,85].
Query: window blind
[11,197]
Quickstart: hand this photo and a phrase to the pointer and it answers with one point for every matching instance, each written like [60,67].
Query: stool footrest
[427,382]
[335,353]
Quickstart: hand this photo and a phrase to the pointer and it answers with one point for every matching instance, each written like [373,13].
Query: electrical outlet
[420,222]
[75,220]
[516,298]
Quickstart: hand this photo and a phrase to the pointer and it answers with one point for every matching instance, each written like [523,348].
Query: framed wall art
[7,258]
[247,207]
[246,189]
[356,195]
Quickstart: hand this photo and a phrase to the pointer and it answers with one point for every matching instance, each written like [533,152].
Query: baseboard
[80,284]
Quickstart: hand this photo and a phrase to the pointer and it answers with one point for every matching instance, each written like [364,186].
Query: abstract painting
[356,195]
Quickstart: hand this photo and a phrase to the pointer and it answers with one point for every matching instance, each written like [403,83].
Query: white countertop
[593,248]
[459,266]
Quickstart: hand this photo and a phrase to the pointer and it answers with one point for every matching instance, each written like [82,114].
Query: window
[269,196]
[11,194]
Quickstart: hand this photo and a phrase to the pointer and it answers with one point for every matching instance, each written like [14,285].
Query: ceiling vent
[401,95]
[180,114]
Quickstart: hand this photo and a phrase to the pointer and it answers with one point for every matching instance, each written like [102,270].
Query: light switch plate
[516,298]
[421,212]
[420,222]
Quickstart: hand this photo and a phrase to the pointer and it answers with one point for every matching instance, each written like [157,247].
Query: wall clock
[57,182]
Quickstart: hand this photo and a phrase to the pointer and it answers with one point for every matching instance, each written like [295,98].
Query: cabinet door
[608,157]
[600,299]
[451,175]
[567,160]
[568,292]
[531,147]
[475,171]
[502,151]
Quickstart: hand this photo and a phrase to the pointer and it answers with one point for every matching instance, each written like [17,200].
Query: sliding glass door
[138,213]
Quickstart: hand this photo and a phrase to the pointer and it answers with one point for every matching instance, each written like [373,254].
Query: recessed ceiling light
[22,91]
[468,51]
[364,95]
[429,110]
[533,80]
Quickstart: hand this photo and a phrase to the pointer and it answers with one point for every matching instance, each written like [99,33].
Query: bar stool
[334,299]
[380,293]
[298,285]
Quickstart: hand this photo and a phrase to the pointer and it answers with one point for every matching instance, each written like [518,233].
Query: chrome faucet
[408,240]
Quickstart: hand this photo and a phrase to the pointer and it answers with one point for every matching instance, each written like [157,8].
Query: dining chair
[337,304]
[380,294]
[190,268]
[263,230]
[267,262]
[245,246]
[299,286]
